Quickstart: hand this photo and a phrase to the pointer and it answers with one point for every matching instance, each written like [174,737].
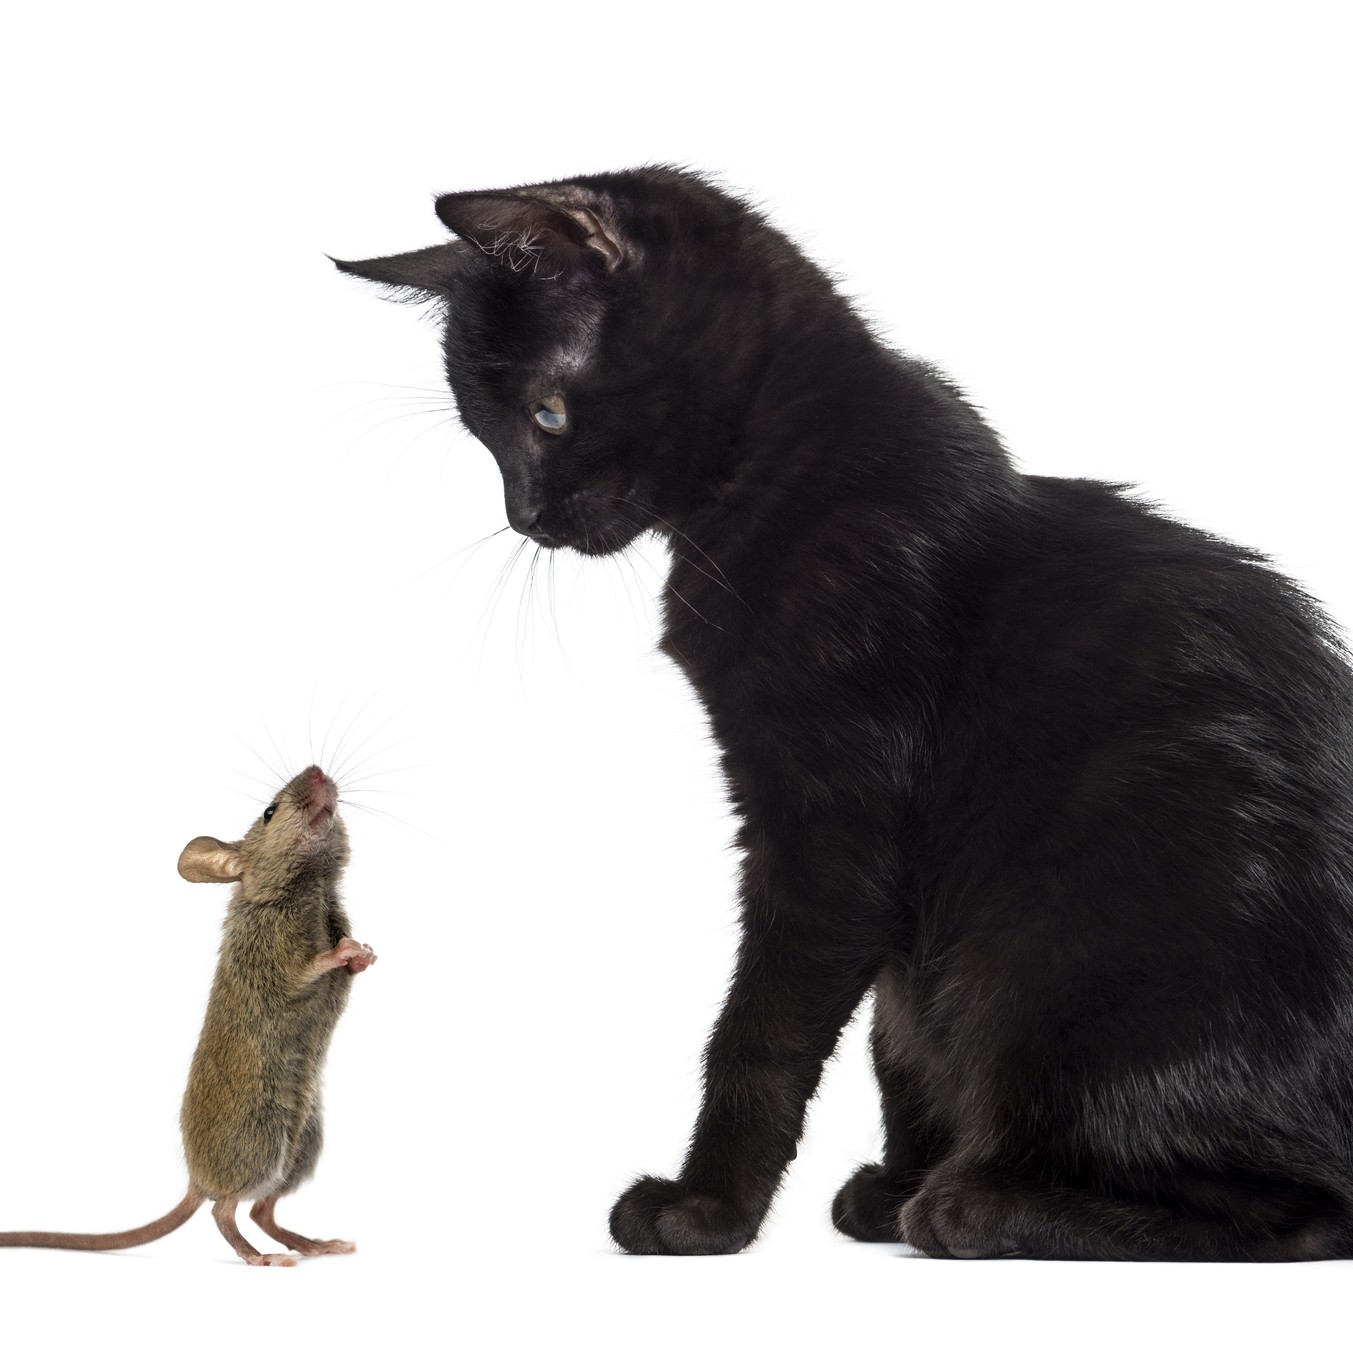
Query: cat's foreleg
[796,984]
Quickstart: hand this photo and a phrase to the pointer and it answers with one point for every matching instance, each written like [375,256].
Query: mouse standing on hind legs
[251,1112]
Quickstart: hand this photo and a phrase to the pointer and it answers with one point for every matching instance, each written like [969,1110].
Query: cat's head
[602,335]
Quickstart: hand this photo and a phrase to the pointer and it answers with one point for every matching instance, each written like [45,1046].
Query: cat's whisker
[666,582]
[474,546]
[720,581]
[554,611]
[368,408]
[397,416]
[385,385]
[496,594]
[408,446]
[523,601]
[624,561]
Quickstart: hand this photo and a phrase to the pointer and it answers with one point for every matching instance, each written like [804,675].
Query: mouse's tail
[113,1240]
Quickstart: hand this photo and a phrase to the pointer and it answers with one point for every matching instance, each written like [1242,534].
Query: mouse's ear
[207,860]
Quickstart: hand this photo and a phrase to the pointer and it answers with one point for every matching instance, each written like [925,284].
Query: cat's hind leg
[866,1206]
[971,1213]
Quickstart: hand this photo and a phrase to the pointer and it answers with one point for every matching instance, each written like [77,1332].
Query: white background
[233,528]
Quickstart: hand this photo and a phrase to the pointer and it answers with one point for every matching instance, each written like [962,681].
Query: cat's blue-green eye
[549,414]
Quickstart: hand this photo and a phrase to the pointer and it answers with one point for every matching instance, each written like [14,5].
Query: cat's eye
[268,812]
[549,414]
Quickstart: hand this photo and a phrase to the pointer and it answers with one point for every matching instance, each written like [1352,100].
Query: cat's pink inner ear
[518,229]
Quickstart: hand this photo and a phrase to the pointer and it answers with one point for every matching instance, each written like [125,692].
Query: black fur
[1065,782]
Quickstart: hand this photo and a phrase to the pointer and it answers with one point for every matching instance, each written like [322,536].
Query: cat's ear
[427,272]
[538,230]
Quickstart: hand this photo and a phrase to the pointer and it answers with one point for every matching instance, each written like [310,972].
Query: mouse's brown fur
[251,1112]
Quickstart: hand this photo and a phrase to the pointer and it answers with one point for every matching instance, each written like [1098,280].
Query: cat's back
[1096,591]
[1158,716]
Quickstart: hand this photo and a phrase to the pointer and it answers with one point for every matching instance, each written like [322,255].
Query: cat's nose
[534,530]
[524,510]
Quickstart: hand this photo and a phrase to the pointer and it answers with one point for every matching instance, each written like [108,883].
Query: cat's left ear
[522,227]
[425,272]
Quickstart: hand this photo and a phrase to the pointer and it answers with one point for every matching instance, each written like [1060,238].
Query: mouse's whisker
[350,783]
[278,777]
[282,756]
[390,817]
[380,728]
[271,786]
[347,731]
[365,768]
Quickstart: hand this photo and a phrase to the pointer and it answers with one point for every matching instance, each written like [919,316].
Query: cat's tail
[113,1240]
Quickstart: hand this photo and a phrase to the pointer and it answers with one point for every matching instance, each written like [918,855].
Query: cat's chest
[796,708]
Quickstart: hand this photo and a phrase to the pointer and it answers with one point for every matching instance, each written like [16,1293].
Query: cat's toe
[662,1216]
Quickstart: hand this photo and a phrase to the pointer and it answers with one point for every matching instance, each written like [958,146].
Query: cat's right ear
[521,226]
[425,272]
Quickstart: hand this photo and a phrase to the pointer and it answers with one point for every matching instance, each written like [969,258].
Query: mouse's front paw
[347,953]
[358,957]
[663,1216]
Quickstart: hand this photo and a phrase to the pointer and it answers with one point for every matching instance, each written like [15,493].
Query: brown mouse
[251,1112]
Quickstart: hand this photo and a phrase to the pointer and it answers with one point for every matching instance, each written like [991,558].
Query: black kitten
[1065,782]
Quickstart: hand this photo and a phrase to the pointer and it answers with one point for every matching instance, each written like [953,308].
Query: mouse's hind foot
[224,1213]
[262,1215]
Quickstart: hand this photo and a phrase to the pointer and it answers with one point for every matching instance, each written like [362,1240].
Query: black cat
[1066,783]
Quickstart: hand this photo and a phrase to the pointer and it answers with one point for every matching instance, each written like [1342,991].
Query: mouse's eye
[549,414]
[269,811]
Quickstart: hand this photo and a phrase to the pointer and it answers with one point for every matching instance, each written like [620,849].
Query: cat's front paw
[663,1216]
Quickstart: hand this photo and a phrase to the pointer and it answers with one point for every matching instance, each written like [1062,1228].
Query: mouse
[251,1115]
